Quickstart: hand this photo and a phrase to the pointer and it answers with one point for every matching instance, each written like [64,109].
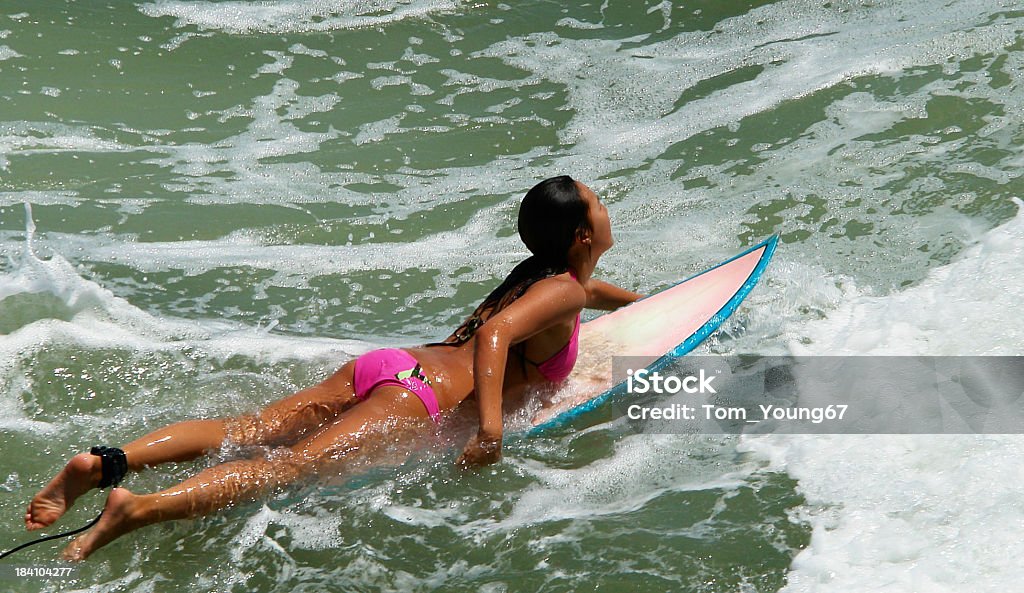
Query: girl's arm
[548,302]
[602,295]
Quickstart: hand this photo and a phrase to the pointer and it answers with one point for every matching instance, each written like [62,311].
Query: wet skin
[317,428]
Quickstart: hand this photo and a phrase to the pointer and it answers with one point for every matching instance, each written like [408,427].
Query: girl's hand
[480,450]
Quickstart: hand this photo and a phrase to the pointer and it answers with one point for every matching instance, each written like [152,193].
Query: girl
[523,334]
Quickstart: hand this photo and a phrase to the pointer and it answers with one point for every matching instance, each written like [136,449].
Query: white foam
[642,468]
[6,53]
[914,513]
[967,307]
[318,532]
[905,513]
[292,16]
[25,138]
[272,133]
[453,249]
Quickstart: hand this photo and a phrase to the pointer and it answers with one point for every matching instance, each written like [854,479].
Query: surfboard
[658,328]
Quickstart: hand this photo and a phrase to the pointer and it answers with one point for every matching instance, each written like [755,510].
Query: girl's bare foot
[80,475]
[120,515]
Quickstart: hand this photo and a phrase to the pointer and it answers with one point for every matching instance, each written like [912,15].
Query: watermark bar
[822,395]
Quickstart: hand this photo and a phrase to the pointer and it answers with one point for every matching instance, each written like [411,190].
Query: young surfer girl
[523,334]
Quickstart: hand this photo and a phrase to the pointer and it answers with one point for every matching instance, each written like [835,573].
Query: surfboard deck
[659,328]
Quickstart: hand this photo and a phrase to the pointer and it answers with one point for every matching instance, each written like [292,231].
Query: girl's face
[597,216]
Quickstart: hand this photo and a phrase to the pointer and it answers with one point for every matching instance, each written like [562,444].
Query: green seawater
[205,206]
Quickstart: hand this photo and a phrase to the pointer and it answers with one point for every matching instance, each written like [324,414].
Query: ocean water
[207,205]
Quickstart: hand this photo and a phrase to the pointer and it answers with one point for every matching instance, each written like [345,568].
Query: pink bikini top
[558,367]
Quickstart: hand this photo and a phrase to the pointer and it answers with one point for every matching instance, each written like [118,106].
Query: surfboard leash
[50,537]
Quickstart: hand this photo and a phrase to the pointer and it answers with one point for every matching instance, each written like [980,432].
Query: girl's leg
[283,422]
[230,483]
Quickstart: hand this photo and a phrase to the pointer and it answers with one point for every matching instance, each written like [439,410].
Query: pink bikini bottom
[391,366]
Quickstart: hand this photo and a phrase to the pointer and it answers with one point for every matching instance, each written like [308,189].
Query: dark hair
[551,214]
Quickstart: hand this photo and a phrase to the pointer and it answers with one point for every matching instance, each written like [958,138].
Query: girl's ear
[583,235]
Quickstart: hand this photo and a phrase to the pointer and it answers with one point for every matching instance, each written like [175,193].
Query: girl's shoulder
[563,286]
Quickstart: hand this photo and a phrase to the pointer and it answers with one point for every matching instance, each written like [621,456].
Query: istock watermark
[832,394]
[644,381]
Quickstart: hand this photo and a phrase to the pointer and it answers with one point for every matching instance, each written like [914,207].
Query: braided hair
[551,215]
